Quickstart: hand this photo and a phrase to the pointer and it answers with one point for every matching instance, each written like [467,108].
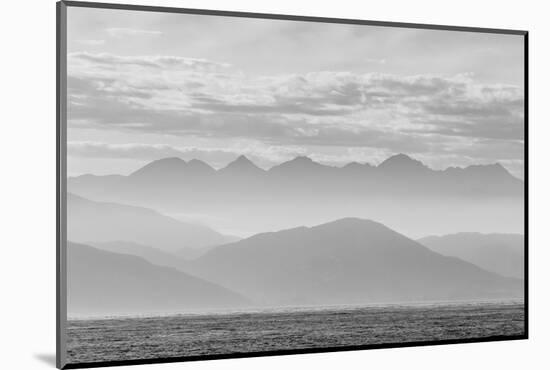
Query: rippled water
[192,335]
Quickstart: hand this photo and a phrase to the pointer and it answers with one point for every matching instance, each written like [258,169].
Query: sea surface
[133,338]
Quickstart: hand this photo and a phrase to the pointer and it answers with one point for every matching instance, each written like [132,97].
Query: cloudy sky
[143,86]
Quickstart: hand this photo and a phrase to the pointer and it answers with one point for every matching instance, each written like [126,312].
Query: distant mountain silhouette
[242,166]
[397,175]
[170,172]
[499,253]
[90,221]
[349,261]
[161,167]
[355,167]
[150,254]
[299,166]
[103,283]
[244,199]
[199,167]
[402,164]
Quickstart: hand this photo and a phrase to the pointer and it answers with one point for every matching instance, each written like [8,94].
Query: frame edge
[526,182]
[288,17]
[61,257]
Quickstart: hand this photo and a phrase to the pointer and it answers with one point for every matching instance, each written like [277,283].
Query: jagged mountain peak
[242,163]
[197,164]
[400,162]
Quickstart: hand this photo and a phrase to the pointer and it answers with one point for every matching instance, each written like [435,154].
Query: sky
[144,86]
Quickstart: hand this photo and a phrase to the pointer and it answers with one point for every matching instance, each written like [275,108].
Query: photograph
[242,185]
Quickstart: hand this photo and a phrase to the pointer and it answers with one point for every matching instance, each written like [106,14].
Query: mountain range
[133,224]
[88,220]
[302,173]
[347,261]
[243,199]
[101,283]
[151,254]
[499,253]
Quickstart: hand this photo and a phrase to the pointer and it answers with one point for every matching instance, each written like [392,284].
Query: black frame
[61,170]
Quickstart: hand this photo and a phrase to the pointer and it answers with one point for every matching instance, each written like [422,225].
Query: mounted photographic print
[238,184]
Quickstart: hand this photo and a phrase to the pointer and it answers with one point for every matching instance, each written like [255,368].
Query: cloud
[423,114]
[91,42]
[375,61]
[137,150]
[104,62]
[264,156]
[116,112]
[122,32]
[216,157]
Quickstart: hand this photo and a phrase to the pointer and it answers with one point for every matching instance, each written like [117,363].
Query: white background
[27,236]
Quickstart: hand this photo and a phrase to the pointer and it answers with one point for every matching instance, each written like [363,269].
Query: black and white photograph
[245,185]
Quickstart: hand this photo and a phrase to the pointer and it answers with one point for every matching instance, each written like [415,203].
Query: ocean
[134,338]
